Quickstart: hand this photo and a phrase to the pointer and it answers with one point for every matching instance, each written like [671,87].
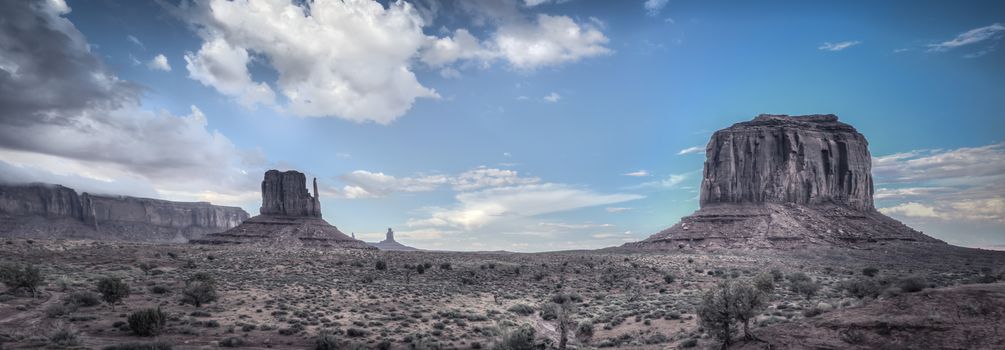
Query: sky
[499,124]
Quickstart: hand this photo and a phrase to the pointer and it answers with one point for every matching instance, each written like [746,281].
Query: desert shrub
[521,309]
[57,310]
[199,289]
[159,289]
[520,338]
[25,277]
[803,285]
[669,278]
[852,336]
[147,322]
[445,266]
[380,265]
[912,284]
[64,335]
[812,312]
[861,288]
[420,269]
[232,342]
[356,332]
[764,282]
[83,299]
[549,311]
[139,346]
[777,275]
[688,343]
[112,290]
[146,267]
[326,340]
[870,271]
[584,331]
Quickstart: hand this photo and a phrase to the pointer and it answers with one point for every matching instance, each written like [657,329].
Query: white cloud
[489,177]
[654,7]
[532,3]
[972,36]
[225,68]
[159,62]
[838,46]
[963,184]
[366,184]
[135,41]
[671,182]
[553,97]
[616,209]
[476,209]
[691,150]
[638,173]
[90,129]
[355,59]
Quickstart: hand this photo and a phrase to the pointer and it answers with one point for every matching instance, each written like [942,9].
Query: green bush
[584,331]
[765,282]
[380,265]
[521,338]
[198,293]
[326,340]
[521,309]
[861,288]
[912,284]
[112,290]
[21,277]
[147,322]
[64,335]
[669,278]
[83,299]
[550,311]
[870,271]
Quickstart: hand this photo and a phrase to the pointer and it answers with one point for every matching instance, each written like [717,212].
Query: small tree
[147,322]
[564,308]
[199,289]
[747,303]
[112,290]
[765,282]
[21,276]
[715,314]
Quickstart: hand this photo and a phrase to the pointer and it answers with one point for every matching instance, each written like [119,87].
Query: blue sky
[558,125]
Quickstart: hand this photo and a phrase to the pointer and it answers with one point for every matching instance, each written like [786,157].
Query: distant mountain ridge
[48,211]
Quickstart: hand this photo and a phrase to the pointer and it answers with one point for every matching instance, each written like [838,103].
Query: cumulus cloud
[159,62]
[225,68]
[970,37]
[483,177]
[63,115]
[691,150]
[654,7]
[356,59]
[962,184]
[838,46]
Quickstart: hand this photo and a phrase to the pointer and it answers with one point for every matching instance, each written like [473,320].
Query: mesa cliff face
[290,217]
[782,180]
[284,193]
[54,211]
[779,159]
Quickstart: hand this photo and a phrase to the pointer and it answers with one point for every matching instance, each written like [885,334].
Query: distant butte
[390,244]
[290,217]
[779,181]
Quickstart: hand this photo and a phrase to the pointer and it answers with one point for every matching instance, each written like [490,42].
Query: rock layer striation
[781,180]
[290,217]
[54,211]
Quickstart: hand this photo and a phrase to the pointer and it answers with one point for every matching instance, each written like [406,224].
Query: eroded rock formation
[290,217]
[285,193]
[54,211]
[782,180]
[390,244]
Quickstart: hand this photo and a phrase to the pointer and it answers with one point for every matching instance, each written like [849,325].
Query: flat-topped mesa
[285,194]
[812,159]
[782,181]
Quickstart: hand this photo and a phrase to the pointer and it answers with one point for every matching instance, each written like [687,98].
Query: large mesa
[289,217]
[781,180]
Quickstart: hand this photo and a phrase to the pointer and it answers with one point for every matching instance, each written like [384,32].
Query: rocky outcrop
[390,244]
[290,217]
[284,193]
[54,211]
[785,180]
[780,159]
